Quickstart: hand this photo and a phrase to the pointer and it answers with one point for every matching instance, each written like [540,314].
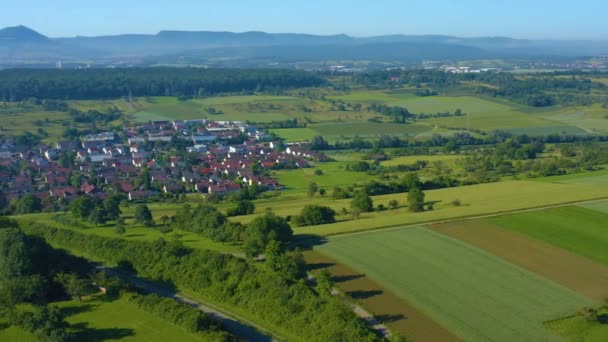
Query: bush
[313,215]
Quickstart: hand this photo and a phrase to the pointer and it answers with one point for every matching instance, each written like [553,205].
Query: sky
[554,19]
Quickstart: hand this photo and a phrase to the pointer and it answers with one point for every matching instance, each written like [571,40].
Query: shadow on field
[308,241]
[389,318]
[345,278]
[84,333]
[364,294]
[134,235]
[75,310]
[318,266]
[602,319]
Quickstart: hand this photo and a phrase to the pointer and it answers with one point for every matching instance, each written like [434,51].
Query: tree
[264,229]
[324,283]
[393,204]
[120,229]
[97,217]
[322,192]
[415,200]
[411,180]
[362,202]
[312,215]
[82,207]
[73,285]
[111,206]
[143,215]
[243,207]
[312,189]
[27,204]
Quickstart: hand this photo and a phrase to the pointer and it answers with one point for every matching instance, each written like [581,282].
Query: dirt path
[232,322]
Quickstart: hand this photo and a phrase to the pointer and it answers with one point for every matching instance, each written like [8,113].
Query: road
[233,323]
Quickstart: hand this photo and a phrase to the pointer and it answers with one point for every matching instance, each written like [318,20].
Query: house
[172,188]
[87,188]
[67,191]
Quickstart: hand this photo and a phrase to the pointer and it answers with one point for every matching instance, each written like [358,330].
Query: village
[150,160]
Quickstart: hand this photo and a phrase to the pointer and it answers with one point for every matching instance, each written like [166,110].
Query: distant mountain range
[22,46]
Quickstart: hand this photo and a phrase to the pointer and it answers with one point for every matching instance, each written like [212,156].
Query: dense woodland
[17,85]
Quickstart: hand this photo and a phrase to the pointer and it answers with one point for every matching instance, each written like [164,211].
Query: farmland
[568,269]
[449,281]
[576,229]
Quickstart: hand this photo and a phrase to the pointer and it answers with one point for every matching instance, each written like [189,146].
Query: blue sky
[558,19]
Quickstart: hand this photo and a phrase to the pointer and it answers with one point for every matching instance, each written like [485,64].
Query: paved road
[233,323]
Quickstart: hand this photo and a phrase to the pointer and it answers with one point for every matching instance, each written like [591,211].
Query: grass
[295,134]
[139,233]
[367,129]
[482,199]
[601,206]
[595,177]
[99,319]
[449,280]
[577,329]
[579,230]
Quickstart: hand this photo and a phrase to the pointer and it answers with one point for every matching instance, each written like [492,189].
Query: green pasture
[476,200]
[295,134]
[593,177]
[99,319]
[577,329]
[579,230]
[366,129]
[601,206]
[449,280]
[139,232]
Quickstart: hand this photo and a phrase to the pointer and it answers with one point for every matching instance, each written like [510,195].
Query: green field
[476,200]
[295,134]
[104,320]
[578,329]
[367,129]
[579,230]
[452,282]
[595,177]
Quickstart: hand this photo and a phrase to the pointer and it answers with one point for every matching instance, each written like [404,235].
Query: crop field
[594,177]
[579,230]
[578,273]
[385,305]
[590,118]
[295,134]
[449,280]
[601,206]
[367,129]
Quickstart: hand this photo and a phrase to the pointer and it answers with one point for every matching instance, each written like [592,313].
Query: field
[449,280]
[578,329]
[385,304]
[568,269]
[367,129]
[579,230]
[138,232]
[476,200]
[102,320]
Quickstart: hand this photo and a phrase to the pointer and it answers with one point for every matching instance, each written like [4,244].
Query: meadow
[449,281]
[99,319]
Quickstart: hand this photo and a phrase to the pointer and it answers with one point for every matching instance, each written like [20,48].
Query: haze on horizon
[542,19]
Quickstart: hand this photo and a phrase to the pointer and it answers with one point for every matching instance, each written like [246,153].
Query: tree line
[288,303]
[20,84]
